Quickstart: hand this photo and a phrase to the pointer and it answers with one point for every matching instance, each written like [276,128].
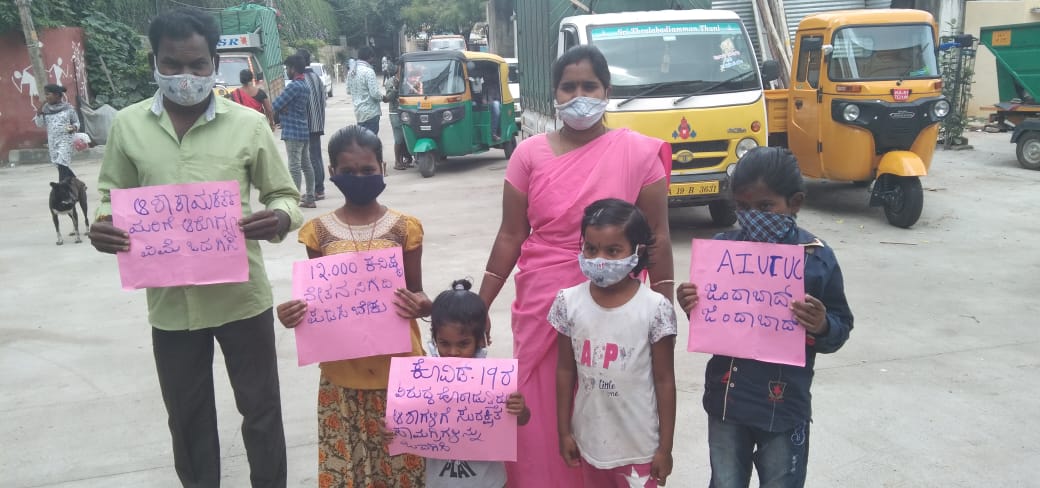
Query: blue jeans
[779,457]
[371,124]
[317,163]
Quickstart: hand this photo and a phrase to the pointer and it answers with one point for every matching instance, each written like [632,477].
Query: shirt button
[731,385]
[734,368]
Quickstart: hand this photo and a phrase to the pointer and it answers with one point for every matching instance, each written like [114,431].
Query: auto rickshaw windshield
[437,77]
[677,58]
[887,52]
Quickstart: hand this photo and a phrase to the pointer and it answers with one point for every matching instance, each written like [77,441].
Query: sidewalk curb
[37,156]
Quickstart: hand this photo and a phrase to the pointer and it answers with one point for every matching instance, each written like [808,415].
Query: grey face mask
[604,272]
[186,90]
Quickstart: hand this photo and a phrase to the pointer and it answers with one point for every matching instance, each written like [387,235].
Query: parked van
[447,42]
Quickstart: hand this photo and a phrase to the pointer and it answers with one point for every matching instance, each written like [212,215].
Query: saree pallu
[617,164]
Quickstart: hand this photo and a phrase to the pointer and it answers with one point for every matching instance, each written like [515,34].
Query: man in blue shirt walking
[293,106]
[316,115]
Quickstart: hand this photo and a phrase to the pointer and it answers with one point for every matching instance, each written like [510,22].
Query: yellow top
[843,18]
[328,235]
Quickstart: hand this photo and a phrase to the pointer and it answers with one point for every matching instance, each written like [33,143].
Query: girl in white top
[458,323]
[616,345]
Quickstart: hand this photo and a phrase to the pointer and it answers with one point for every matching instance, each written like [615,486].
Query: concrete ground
[932,390]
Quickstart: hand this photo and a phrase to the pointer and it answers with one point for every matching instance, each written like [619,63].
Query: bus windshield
[675,59]
[441,77]
[884,52]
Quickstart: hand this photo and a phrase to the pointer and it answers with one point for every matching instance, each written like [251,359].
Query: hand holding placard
[745,291]
[452,408]
[181,235]
[350,312]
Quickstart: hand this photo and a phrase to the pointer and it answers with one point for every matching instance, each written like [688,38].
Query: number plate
[425,104]
[425,127]
[698,188]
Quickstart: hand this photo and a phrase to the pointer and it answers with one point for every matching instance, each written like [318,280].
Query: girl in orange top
[352,393]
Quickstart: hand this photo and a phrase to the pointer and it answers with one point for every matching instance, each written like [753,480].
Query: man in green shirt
[184,134]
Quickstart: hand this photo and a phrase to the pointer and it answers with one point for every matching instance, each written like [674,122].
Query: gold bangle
[493,275]
[670,282]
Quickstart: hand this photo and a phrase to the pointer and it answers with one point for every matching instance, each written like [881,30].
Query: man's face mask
[186,90]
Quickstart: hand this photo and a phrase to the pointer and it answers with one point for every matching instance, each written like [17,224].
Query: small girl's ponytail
[460,306]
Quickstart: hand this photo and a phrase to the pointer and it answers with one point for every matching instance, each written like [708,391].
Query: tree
[361,20]
[457,16]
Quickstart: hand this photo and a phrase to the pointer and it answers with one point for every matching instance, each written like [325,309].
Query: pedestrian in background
[252,96]
[364,91]
[316,116]
[293,105]
[61,122]
[392,85]
[185,134]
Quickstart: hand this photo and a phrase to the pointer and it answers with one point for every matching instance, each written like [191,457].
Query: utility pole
[33,42]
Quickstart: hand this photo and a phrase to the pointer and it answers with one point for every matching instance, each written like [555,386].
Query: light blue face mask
[580,113]
[604,272]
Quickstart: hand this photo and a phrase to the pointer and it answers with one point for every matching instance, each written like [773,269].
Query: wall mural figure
[58,72]
[25,77]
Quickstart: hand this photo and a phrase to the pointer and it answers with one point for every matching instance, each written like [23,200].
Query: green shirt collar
[211,110]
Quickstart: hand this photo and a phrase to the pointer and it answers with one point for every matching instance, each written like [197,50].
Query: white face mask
[604,272]
[581,113]
[186,90]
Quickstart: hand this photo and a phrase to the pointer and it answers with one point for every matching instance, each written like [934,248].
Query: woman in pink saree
[550,179]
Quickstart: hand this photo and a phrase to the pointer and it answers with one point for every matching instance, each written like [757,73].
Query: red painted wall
[65,61]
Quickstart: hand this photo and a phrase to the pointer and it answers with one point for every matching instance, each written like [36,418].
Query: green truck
[1017,50]
[249,40]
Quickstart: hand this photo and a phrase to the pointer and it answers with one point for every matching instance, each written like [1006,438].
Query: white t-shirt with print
[447,473]
[615,410]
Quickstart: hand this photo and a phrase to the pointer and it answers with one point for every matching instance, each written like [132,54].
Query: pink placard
[452,408]
[350,311]
[181,235]
[745,290]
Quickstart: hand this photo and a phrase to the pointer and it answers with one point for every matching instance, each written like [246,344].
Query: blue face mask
[765,226]
[359,190]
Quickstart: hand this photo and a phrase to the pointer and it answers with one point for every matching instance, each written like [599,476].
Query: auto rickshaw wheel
[509,146]
[1028,150]
[722,213]
[903,200]
[427,163]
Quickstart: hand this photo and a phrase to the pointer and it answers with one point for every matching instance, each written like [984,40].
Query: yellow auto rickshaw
[454,103]
[864,104]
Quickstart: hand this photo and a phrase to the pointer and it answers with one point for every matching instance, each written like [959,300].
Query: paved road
[933,389]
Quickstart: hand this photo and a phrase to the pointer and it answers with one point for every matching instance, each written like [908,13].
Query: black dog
[64,196]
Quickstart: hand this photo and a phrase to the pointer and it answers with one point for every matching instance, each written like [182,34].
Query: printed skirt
[351,452]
